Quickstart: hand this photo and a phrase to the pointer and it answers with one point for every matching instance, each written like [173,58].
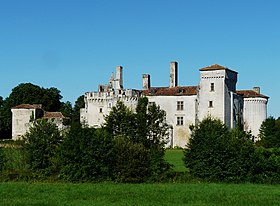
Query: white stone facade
[24,115]
[215,96]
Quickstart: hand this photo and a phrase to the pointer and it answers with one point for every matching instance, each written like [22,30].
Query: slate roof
[216,67]
[50,115]
[28,106]
[171,91]
[250,94]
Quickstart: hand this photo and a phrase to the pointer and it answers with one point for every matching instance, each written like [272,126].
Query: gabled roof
[250,94]
[216,67]
[171,91]
[50,115]
[28,106]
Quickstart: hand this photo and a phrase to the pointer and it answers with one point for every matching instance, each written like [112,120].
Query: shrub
[41,146]
[86,155]
[2,159]
[132,161]
[266,167]
[216,154]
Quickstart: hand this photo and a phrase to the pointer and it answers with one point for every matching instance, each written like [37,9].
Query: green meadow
[55,194]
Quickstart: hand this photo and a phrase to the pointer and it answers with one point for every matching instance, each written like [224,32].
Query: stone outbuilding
[24,115]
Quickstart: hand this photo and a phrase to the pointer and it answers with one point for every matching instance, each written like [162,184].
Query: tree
[146,127]
[27,93]
[1,101]
[270,133]
[67,110]
[131,161]
[215,153]
[120,121]
[41,146]
[79,103]
[86,154]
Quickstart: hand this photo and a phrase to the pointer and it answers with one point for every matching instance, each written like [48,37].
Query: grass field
[174,157]
[21,194]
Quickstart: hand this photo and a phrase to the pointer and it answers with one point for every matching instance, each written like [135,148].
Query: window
[210,103]
[180,105]
[212,87]
[180,120]
[100,110]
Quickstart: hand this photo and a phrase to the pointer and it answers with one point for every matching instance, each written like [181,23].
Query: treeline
[128,148]
[215,153]
[27,93]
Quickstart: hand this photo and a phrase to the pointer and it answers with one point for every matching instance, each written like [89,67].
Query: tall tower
[215,95]
[119,77]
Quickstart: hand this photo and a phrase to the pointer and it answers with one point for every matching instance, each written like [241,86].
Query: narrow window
[100,110]
[180,121]
[210,103]
[180,105]
[212,87]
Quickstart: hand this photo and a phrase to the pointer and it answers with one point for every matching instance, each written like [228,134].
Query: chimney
[146,81]
[173,74]
[257,89]
[119,77]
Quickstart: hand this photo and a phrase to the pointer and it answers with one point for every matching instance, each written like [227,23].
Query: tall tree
[270,133]
[147,127]
[79,103]
[1,101]
[215,153]
[41,147]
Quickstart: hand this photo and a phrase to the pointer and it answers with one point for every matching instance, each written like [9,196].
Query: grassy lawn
[174,157]
[137,194]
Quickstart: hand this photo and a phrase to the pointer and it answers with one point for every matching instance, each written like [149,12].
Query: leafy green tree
[67,110]
[1,101]
[86,155]
[147,127]
[215,153]
[41,146]
[132,161]
[79,103]
[27,93]
[120,121]
[270,133]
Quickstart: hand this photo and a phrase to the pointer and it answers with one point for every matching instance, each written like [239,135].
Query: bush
[41,145]
[266,167]
[86,155]
[132,161]
[214,153]
[2,159]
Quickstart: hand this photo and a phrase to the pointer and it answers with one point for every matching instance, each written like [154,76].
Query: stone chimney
[257,89]
[173,74]
[119,77]
[146,81]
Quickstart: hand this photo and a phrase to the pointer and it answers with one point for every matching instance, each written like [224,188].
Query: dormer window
[212,87]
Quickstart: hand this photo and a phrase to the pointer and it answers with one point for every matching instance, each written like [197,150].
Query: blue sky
[74,45]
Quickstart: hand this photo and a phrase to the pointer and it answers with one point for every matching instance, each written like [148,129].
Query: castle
[216,95]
